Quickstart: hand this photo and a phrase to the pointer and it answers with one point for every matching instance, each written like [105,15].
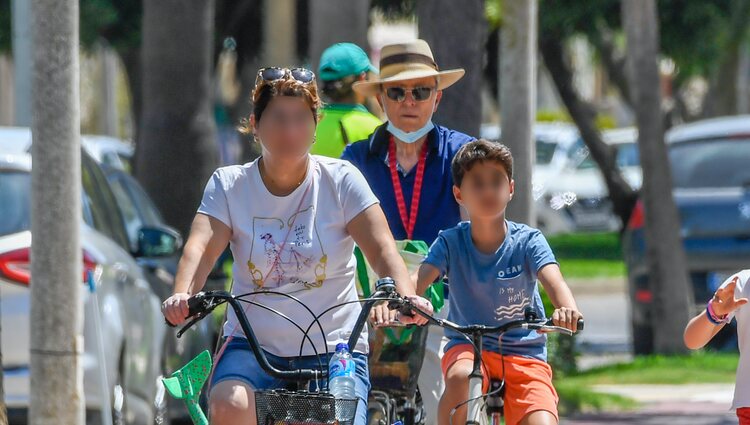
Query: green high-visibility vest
[340,125]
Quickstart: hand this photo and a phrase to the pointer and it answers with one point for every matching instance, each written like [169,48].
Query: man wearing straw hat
[407,162]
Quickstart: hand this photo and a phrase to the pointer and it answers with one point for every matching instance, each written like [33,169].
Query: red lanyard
[417,191]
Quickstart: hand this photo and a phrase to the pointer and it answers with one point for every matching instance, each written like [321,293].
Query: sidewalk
[698,404]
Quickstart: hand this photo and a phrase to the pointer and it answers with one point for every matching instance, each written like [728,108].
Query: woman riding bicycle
[292,220]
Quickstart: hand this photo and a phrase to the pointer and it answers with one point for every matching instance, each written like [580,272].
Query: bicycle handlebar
[530,321]
[203,303]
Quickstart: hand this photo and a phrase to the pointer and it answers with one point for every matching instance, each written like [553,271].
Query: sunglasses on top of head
[398,94]
[271,74]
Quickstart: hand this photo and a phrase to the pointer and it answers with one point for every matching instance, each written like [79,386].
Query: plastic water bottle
[341,373]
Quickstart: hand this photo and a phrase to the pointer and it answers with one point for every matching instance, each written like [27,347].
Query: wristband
[712,317]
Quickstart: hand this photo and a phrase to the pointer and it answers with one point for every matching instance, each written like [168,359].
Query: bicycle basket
[281,407]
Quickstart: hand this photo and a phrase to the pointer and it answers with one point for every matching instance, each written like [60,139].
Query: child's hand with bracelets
[724,303]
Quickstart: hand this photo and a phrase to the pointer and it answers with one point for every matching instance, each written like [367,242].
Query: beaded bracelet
[713,318]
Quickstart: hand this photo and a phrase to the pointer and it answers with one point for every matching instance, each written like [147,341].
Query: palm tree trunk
[177,149]
[673,294]
[56,372]
[335,21]
[457,37]
[518,39]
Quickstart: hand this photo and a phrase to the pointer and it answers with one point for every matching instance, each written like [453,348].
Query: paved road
[605,305]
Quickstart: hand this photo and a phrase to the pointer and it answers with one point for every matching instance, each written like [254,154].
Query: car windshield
[15,202]
[711,163]
[545,150]
[627,155]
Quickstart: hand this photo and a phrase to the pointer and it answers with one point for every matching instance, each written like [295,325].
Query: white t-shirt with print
[742,314]
[295,244]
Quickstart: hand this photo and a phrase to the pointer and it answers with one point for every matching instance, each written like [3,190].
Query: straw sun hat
[407,61]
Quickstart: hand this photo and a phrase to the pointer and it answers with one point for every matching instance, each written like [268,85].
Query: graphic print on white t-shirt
[291,251]
[318,251]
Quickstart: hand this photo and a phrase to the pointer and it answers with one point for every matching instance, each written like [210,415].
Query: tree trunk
[667,265]
[131,60]
[721,98]
[177,149]
[603,41]
[335,21]
[518,39]
[56,317]
[457,37]
[279,36]
[583,114]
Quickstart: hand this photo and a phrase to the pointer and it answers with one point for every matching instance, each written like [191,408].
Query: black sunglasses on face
[420,94]
[273,74]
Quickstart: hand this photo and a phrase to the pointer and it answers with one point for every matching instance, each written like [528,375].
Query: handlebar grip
[195,304]
[195,307]
[579,324]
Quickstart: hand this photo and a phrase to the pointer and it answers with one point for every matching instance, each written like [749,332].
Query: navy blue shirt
[438,209]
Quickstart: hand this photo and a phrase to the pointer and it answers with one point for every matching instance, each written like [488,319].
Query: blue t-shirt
[438,209]
[492,289]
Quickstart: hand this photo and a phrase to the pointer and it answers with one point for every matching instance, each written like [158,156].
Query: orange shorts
[528,382]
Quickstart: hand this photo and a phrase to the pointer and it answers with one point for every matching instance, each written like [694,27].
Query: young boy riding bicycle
[493,265]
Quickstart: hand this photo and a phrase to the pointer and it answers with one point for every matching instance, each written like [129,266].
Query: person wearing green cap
[344,118]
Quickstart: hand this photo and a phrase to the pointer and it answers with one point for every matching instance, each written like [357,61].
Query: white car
[110,151]
[556,146]
[133,328]
[576,196]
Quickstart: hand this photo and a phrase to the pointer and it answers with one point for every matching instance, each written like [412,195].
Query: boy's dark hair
[478,151]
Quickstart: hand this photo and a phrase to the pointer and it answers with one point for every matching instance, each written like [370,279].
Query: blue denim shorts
[238,363]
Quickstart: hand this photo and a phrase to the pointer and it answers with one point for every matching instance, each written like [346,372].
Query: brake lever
[197,318]
[403,306]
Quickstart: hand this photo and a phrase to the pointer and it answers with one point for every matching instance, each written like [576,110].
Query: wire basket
[277,407]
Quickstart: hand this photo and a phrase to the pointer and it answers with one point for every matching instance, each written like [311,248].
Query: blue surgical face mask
[412,136]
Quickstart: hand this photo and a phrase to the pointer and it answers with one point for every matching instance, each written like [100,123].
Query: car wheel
[161,412]
[119,393]
[118,403]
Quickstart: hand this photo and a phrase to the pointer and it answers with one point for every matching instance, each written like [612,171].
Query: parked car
[578,193]
[106,150]
[109,151]
[709,162]
[554,143]
[139,213]
[130,315]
